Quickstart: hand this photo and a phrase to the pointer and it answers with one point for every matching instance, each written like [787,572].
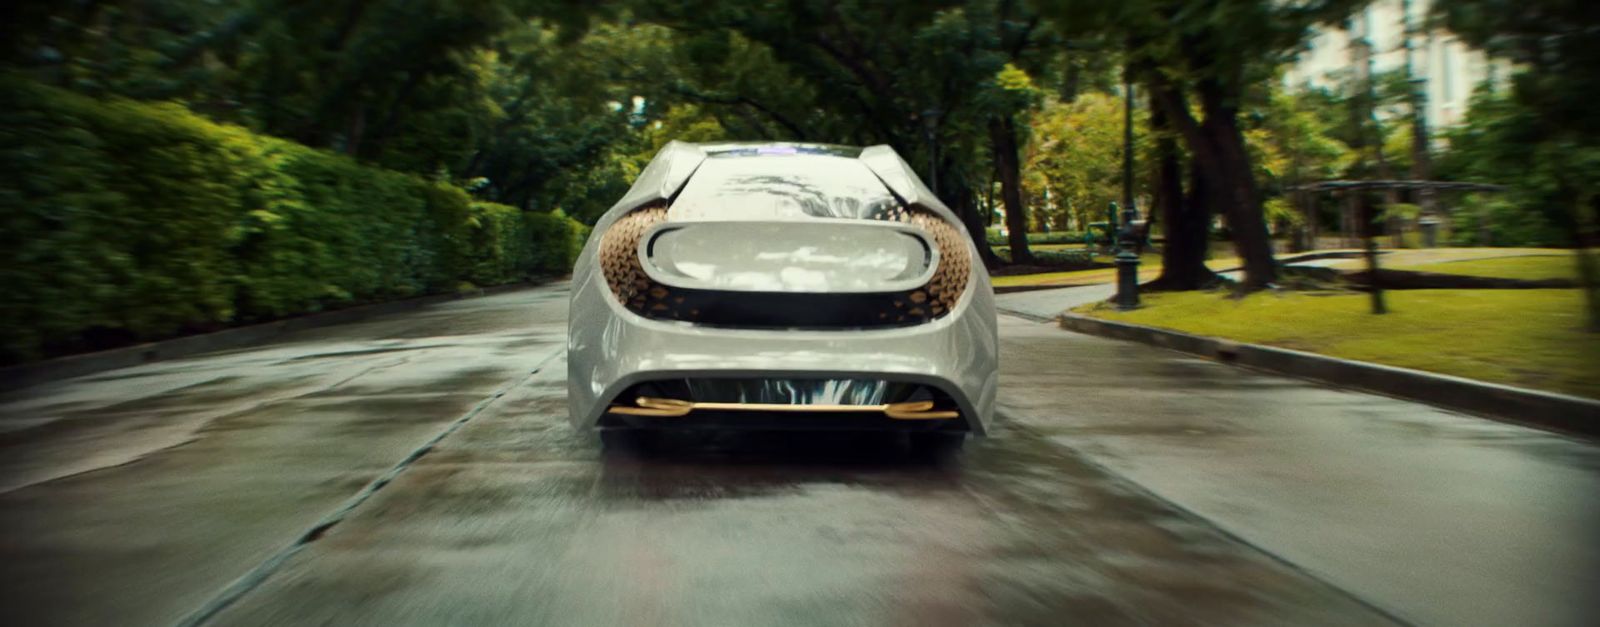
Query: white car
[781,286]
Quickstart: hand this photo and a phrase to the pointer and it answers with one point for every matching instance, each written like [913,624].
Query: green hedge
[992,234]
[507,243]
[123,221]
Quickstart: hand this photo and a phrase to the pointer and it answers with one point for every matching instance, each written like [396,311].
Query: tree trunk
[1217,145]
[1363,209]
[1301,239]
[1071,79]
[963,201]
[988,202]
[1186,221]
[1588,268]
[1003,142]
[1230,172]
[1307,204]
[355,132]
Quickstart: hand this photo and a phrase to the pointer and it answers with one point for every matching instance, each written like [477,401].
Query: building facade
[1449,70]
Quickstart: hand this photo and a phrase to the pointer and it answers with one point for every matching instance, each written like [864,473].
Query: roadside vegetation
[1555,264]
[172,166]
[134,221]
[1528,338]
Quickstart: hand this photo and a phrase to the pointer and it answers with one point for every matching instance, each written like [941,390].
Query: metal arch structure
[1342,187]
[1397,184]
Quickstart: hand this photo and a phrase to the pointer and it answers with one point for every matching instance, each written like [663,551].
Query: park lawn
[1149,269]
[1528,338]
[1559,265]
[1056,247]
[1415,258]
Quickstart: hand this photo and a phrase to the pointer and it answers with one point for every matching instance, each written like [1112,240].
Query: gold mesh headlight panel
[624,273]
[949,282]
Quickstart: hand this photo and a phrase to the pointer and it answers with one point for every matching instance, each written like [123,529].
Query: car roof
[764,149]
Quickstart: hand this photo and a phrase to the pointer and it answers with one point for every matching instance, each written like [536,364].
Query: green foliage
[116,216]
[1502,141]
[324,230]
[125,221]
[1053,237]
[554,242]
[1060,257]
[1279,211]
[1556,49]
[1076,156]
[1400,211]
[509,245]
[1293,140]
[1498,220]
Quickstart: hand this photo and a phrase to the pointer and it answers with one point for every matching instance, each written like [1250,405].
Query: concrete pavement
[1440,518]
[417,469]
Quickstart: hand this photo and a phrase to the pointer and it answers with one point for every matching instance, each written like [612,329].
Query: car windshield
[783,186]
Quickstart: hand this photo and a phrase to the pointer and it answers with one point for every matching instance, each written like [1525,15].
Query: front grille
[625,275]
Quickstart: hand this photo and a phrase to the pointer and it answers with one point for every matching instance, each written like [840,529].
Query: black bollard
[1127,262]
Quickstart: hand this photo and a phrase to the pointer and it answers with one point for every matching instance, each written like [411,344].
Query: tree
[407,85]
[556,111]
[1186,220]
[939,90]
[1076,151]
[1293,144]
[1013,95]
[1551,180]
[1547,128]
[1213,50]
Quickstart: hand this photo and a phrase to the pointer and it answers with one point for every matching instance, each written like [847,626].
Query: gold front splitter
[674,408]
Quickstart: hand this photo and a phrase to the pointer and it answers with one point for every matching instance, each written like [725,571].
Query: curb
[1013,289]
[24,375]
[1548,410]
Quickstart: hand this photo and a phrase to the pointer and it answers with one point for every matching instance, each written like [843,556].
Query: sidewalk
[1047,304]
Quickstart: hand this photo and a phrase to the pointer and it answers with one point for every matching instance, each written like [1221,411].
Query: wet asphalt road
[417,469]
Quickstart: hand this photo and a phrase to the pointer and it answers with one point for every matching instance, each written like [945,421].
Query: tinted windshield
[783,186]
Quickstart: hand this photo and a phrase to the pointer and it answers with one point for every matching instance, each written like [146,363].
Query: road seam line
[249,581]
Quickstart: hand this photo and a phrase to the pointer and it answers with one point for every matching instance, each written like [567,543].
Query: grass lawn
[1529,338]
[1149,269]
[1511,263]
[1055,247]
[1545,266]
[1414,258]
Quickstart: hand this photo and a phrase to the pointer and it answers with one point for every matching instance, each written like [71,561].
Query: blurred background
[175,166]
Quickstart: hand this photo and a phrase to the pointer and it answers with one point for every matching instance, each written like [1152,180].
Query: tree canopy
[1003,106]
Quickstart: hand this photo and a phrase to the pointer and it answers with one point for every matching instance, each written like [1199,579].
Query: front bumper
[610,349]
